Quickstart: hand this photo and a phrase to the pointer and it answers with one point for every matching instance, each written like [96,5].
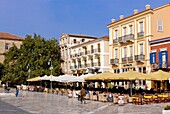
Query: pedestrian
[82,94]
[17,92]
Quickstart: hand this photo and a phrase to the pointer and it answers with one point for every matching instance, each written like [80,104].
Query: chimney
[135,11]
[148,6]
[121,16]
[113,20]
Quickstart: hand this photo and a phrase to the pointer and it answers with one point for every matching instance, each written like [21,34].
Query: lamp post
[51,68]
[29,70]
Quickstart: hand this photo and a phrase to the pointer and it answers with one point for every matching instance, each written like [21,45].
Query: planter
[165,111]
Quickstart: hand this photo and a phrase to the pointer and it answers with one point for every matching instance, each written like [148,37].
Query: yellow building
[67,41]
[129,38]
[90,57]
[6,41]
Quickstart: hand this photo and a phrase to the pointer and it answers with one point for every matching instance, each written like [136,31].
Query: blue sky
[51,18]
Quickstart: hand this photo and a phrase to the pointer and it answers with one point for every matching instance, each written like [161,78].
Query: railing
[140,34]
[122,39]
[130,59]
[97,64]
[114,61]
[130,37]
[88,52]
[97,50]
[115,41]
[124,59]
[140,57]
[154,66]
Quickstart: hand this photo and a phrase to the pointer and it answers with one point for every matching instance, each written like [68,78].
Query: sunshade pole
[130,87]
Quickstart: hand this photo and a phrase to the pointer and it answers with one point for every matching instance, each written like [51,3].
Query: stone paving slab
[45,103]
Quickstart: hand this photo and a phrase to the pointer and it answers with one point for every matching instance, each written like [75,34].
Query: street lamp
[29,70]
[51,68]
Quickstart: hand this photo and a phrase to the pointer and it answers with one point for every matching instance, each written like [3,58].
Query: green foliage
[167,107]
[34,53]
[1,69]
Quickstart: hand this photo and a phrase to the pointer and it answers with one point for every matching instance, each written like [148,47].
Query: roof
[81,36]
[139,13]
[101,38]
[129,16]
[5,35]
[159,40]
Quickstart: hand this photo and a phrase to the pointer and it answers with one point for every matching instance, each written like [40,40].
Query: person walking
[82,94]
[17,92]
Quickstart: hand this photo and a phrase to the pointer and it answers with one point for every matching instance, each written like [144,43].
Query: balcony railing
[124,59]
[88,52]
[130,37]
[62,59]
[114,61]
[130,59]
[140,58]
[140,34]
[122,39]
[97,64]
[97,50]
[115,41]
[154,66]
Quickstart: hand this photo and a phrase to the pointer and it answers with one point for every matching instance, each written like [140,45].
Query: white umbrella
[81,78]
[64,78]
[44,77]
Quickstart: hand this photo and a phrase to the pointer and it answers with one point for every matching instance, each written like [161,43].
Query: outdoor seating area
[67,85]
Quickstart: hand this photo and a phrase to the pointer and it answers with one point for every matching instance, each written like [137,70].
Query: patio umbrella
[45,77]
[34,79]
[81,78]
[64,78]
[99,77]
[159,75]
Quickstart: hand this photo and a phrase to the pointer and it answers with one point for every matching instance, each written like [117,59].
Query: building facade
[129,38]
[6,41]
[90,57]
[159,58]
[67,41]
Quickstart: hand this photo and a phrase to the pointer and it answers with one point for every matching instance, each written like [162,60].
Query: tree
[34,54]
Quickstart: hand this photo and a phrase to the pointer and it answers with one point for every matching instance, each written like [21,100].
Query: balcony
[84,66]
[124,60]
[130,38]
[122,39]
[88,65]
[73,67]
[97,64]
[140,34]
[62,59]
[130,59]
[97,51]
[154,66]
[114,61]
[139,58]
[89,53]
[115,41]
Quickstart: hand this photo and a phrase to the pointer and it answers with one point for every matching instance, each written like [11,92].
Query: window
[141,48]
[116,34]
[116,53]
[82,40]
[160,26]
[125,51]
[131,29]
[141,26]
[152,57]
[6,46]
[124,31]
[74,40]
[131,51]
[163,57]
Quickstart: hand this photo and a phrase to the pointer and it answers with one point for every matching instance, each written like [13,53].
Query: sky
[52,18]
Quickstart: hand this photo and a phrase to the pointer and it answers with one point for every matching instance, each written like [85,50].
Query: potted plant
[166,110]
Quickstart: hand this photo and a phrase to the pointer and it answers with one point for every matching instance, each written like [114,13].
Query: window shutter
[160,59]
[151,58]
[154,54]
[166,59]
